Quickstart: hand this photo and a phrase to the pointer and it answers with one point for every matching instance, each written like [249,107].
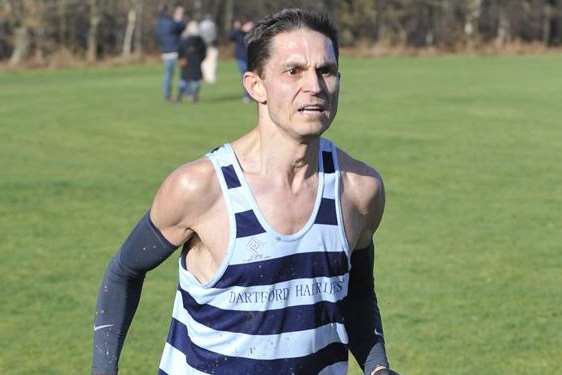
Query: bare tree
[139,6]
[555,28]
[131,23]
[92,52]
[503,34]
[21,26]
[471,31]
[62,6]
[35,29]
[358,20]
[228,14]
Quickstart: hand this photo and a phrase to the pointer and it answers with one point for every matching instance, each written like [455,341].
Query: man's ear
[254,86]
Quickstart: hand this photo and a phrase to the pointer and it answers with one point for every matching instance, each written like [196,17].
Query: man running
[276,271]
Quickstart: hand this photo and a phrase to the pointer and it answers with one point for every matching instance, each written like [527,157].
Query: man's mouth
[312,108]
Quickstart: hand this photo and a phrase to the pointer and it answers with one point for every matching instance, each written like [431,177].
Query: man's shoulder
[362,183]
[357,170]
[188,192]
[192,186]
[193,178]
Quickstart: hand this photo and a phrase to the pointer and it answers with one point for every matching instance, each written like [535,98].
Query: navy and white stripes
[274,305]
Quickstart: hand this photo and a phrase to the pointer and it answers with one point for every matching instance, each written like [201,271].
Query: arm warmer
[362,316]
[120,291]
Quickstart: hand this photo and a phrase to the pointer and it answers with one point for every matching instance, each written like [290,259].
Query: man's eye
[292,71]
[327,71]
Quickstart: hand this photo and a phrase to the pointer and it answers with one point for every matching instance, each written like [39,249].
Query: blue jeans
[190,88]
[169,68]
[242,65]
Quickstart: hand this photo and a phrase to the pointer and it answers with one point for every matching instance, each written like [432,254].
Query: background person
[191,53]
[238,35]
[168,31]
[208,31]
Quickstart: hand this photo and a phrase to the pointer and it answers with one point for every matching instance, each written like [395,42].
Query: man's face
[301,82]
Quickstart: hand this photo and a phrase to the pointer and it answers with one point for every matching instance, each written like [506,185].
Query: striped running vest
[274,304]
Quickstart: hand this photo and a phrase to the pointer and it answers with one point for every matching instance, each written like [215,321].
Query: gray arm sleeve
[120,291]
[362,316]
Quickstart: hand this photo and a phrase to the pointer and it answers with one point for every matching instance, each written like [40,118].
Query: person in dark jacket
[238,36]
[168,32]
[191,53]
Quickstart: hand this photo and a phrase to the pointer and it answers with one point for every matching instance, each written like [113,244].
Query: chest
[284,210]
[280,210]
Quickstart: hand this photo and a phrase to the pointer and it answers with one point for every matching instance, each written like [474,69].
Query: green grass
[469,257]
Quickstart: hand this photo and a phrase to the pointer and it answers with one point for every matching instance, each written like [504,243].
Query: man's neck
[278,156]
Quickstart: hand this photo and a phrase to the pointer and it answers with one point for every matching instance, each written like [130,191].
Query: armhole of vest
[339,212]
[231,229]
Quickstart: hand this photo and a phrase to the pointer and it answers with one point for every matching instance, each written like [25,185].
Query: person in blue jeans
[168,32]
[238,36]
[191,52]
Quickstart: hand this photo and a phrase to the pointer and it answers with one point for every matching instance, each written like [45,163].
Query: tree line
[95,29]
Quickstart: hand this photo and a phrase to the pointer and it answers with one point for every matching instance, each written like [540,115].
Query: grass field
[469,261]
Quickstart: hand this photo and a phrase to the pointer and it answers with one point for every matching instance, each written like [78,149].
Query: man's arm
[181,199]
[365,201]
[120,291]
[362,316]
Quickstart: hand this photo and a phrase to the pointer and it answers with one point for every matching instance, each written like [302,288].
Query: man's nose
[312,81]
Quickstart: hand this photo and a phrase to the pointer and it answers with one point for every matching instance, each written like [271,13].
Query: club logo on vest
[254,247]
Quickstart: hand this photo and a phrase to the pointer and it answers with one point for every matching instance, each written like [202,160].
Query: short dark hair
[259,39]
